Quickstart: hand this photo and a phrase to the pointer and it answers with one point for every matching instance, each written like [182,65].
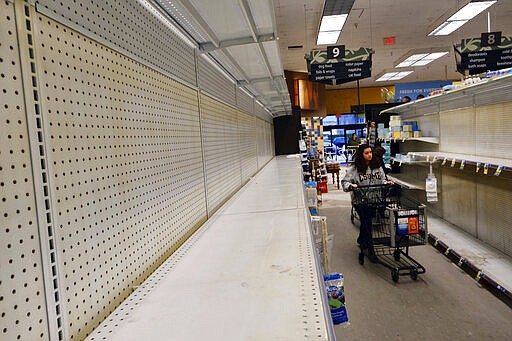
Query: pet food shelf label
[341,71]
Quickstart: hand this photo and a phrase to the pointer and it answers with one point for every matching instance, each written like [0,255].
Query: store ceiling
[256,40]
[370,21]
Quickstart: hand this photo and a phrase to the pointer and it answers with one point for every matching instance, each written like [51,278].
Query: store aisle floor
[443,304]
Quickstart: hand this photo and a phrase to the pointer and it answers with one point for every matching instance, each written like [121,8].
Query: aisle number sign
[349,65]
[492,51]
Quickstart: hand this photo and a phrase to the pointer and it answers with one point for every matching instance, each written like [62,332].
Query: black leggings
[366,214]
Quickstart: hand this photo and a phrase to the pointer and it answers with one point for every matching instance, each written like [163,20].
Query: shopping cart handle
[374,186]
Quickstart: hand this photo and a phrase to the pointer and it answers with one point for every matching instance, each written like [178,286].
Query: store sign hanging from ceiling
[492,51]
[356,64]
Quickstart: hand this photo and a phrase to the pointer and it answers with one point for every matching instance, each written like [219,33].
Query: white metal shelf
[250,272]
[467,158]
[501,88]
[406,183]
[427,139]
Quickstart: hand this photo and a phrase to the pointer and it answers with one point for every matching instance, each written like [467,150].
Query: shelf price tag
[444,161]
[428,158]
[478,164]
[453,163]
[498,171]
[434,158]
[486,168]
[462,164]
[431,188]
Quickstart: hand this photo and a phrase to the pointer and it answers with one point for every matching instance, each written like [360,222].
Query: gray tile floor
[443,304]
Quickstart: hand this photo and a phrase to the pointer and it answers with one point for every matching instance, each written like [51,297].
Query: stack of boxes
[403,130]
[382,133]
[395,127]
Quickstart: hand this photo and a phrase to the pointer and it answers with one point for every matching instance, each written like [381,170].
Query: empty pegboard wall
[133,27]
[23,314]
[221,140]
[214,83]
[125,169]
[248,147]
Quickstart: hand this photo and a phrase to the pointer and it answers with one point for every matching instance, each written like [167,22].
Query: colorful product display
[403,130]
[336,297]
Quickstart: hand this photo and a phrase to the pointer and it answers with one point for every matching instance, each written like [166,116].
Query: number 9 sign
[336,51]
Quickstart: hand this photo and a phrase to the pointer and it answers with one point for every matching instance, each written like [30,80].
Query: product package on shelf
[336,297]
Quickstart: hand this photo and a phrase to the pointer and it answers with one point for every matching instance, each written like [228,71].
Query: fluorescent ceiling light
[334,16]
[420,59]
[471,10]
[329,37]
[461,17]
[447,27]
[393,76]
[333,22]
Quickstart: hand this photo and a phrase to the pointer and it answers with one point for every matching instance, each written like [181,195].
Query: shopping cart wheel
[414,274]
[396,254]
[395,275]
[361,257]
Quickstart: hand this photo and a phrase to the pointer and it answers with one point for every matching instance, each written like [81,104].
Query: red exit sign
[389,41]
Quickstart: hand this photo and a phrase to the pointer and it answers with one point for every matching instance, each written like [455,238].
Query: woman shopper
[365,171]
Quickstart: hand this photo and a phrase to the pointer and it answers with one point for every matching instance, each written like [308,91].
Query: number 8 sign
[490,39]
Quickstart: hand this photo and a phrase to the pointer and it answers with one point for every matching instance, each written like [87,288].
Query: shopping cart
[397,224]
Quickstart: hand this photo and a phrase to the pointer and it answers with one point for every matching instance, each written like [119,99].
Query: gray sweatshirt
[371,177]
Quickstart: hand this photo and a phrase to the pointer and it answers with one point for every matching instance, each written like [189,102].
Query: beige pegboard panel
[493,130]
[125,169]
[248,146]
[221,146]
[215,83]
[132,26]
[23,309]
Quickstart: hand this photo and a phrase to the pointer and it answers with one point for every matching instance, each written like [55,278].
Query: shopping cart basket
[374,195]
[397,224]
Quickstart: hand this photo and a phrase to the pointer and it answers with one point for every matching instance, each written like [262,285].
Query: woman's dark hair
[360,162]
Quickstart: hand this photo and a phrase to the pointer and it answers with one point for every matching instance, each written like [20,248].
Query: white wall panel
[458,131]
[494,214]
[132,27]
[459,192]
[248,147]
[493,130]
[214,83]
[22,295]
[125,167]
[221,145]
[244,102]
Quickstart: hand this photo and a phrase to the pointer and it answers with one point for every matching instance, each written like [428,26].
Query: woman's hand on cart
[353,187]
[390,183]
